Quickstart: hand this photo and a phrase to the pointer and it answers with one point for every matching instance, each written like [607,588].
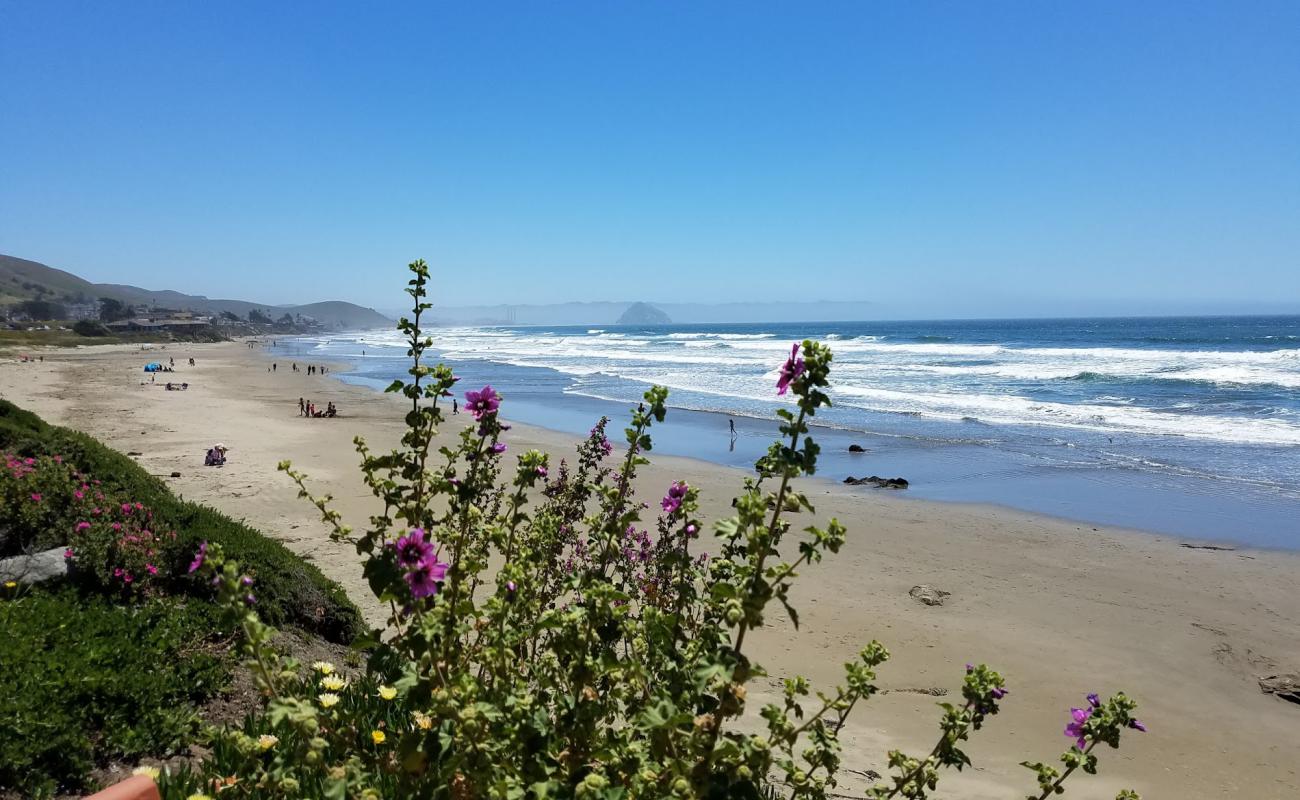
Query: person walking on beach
[302,407]
[455,407]
[732,422]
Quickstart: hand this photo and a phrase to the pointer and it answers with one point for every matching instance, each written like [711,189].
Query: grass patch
[84,681]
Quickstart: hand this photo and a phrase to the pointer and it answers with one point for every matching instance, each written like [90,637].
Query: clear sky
[961,157]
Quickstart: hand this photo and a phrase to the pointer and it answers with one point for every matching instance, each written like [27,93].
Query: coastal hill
[21,280]
[643,314]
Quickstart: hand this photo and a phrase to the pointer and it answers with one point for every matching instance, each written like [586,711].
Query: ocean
[1184,426]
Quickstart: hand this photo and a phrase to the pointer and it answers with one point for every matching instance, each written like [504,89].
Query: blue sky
[936,158]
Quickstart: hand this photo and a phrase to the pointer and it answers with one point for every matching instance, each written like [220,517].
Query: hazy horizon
[936,161]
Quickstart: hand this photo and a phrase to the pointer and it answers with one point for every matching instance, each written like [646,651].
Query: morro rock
[643,314]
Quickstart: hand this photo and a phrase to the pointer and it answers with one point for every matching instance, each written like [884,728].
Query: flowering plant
[40,498]
[116,547]
[541,642]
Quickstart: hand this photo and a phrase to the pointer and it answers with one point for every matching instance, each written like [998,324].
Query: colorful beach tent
[153,367]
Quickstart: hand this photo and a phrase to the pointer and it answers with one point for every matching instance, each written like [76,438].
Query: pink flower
[413,548]
[1075,728]
[36,498]
[68,554]
[676,494]
[791,370]
[199,557]
[83,525]
[151,569]
[482,403]
[426,576]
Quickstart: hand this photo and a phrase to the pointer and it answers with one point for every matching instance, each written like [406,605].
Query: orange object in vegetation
[136,787]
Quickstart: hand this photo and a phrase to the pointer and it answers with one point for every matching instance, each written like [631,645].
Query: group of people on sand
[177,387]
[306,409]
[312,369]
[216,456]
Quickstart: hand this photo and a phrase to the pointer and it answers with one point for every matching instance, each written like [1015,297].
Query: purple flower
[426,576]
[1075,728]
[999,692]
[246,581]
[1094,700]
[676,494]
[482,403]
[541,472]
[199,557]
[498,447]
[1137,725]
[510,586]
[413,548]
[792,369]
[250,599]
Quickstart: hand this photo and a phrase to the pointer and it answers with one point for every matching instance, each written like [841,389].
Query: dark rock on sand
[176,474]
[929,595]
[878,482]
[857,448]
[1286,687]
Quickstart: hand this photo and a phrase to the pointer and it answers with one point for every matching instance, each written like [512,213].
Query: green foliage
[292,591]
[89,327]
[543,644]
[83,681]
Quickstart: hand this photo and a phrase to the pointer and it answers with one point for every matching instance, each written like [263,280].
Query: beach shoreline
[1060,607]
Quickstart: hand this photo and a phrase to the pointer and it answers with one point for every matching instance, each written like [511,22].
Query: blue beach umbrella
[154,367]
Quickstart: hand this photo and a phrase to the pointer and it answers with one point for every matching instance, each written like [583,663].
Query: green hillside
[21,279]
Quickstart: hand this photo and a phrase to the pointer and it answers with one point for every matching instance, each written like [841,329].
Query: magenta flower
[791,370]
[413,548]
[676,494]
[426,576]
[151,569]
[1137,725]
[68,554]
[199,557]
[1075,728]
[499,448]
[36,498]
[83,525]
[541,472]
[483,403]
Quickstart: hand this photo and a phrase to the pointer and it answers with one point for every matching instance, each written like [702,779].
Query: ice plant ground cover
[600,655]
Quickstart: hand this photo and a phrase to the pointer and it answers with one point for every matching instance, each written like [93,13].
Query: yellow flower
[266,741]
[11,584]
[152,772]
[198,796]
[387,692]
[377,737]
[323,667]
[328,699]
[422,720]
[333,682]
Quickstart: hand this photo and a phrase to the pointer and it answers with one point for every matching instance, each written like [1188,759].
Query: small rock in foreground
[929,595]
[1286,687]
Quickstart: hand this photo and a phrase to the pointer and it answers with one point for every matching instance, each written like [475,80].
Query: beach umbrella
[153,367]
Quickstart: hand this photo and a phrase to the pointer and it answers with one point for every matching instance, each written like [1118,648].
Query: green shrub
[83,681]
[290,590]
[89,327]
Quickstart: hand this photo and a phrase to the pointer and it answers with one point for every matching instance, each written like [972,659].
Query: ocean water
[1188,426]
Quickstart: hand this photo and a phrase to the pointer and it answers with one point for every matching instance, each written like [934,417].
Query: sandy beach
[1061,608]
